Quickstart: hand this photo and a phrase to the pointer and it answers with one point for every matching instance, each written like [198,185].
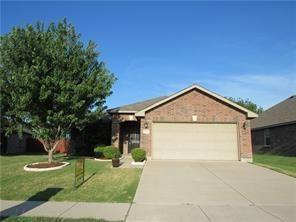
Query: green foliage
[50,81]
[48,219]
[111,152]
[138,154]
[100,149]
[117,155]
[246,103]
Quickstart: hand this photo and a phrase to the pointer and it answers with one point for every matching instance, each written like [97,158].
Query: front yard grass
[48,219]
[282,164]
[103,183]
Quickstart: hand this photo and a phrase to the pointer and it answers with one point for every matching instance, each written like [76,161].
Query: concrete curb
[26,168]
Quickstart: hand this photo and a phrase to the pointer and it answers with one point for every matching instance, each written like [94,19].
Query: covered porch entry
[129,136]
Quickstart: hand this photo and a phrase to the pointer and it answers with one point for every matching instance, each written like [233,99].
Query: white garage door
[194,141]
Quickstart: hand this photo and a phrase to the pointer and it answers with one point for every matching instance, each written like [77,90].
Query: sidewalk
[107,211]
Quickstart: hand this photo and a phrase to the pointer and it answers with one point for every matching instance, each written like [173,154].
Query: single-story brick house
[194,123]
[274,131]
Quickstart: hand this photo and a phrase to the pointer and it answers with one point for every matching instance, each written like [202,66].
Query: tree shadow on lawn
[31,203]
[74,157]
[24,154]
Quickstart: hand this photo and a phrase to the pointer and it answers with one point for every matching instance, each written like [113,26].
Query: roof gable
[249,113]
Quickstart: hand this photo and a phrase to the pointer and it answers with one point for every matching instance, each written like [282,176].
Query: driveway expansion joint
[260,208]
[60,215]
[128,210]
[251,202]
[209,219]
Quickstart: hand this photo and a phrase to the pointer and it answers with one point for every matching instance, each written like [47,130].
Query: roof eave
[250,114]
[140,114]
[273,125]
[122,111]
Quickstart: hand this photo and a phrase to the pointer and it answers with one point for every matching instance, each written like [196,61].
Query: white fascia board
[123,111]
[250,114]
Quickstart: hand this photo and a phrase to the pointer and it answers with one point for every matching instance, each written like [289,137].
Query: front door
[133,141]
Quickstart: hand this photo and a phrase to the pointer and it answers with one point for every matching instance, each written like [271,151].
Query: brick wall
[282,140]
[63,146]
[207,109]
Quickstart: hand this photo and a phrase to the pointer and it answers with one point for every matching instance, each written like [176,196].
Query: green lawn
[103,183]
[48,219]
[282,164]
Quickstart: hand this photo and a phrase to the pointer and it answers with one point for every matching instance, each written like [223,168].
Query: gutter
[274,125]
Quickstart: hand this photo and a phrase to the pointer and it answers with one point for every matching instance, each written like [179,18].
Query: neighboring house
[27,144]
[14,143]
[194,123]
[82,141]
[274,131]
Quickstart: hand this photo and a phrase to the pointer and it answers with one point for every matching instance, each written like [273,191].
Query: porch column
[115,133]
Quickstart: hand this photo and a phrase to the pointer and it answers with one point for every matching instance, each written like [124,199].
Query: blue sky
[237,49]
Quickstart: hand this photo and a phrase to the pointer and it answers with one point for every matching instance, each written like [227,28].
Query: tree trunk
[50,155]
[49,147]
[51,151]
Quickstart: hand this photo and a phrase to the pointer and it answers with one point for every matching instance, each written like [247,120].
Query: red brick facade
[182,108]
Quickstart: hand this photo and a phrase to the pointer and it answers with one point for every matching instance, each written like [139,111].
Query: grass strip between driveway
[282,164]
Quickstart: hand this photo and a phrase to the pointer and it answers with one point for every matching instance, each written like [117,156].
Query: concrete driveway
[212,191]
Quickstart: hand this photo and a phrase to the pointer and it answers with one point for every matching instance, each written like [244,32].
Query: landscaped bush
[99,151]
[111,152]
[138,154]
[106,152]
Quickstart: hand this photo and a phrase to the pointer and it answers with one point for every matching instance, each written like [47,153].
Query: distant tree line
[247,104]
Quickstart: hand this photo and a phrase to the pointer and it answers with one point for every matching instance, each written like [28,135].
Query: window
[266,137]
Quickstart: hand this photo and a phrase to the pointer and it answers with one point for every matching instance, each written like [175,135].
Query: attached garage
[192,124]
[196,141]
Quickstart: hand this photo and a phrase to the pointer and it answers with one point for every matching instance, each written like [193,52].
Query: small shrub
[111,152]
[106,151]
[99,151]
[138,154]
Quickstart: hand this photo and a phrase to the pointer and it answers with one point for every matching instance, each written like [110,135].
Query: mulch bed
[44,165]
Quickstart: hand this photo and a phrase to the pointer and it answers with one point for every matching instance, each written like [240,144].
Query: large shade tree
[50,82]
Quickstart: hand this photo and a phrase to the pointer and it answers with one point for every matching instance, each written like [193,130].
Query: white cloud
[263,89]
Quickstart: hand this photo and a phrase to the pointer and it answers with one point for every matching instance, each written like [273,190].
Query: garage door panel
[194,141]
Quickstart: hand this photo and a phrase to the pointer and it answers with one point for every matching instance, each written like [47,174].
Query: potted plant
[115,159]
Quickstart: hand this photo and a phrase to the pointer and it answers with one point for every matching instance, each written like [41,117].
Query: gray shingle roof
[135,107]
[279,114]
